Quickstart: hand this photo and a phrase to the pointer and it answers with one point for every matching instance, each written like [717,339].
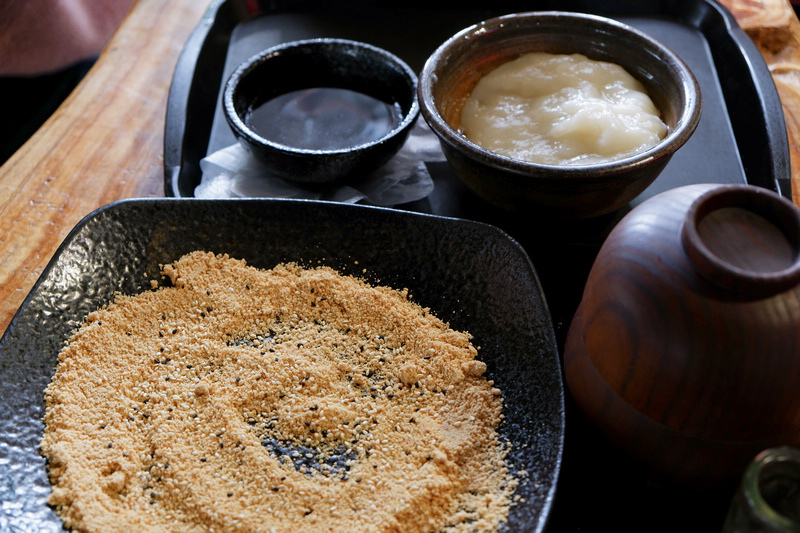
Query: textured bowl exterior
[691,364]
[454,69]
[321,63]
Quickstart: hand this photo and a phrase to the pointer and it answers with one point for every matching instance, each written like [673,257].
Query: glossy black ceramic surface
[314,64]
[470,274]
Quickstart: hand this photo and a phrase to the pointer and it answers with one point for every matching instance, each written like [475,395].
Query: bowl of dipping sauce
[321,110]
[563,114]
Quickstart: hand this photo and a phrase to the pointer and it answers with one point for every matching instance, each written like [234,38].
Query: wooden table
[105,142]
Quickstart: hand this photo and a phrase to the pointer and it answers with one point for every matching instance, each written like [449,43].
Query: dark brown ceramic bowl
[321,63]
[570,192]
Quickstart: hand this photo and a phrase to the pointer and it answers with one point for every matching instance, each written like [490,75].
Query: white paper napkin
[232,173]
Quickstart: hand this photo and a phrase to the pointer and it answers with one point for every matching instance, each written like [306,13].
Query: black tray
[741,139]
[468,273]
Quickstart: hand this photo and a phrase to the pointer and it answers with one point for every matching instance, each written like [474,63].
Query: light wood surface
[774,28]
[105,142]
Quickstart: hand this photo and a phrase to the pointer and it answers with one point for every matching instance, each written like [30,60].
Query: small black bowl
[327,64]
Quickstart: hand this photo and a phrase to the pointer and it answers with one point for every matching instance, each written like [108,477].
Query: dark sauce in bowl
[324,118]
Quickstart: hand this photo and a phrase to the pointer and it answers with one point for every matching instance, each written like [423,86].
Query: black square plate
[469,274]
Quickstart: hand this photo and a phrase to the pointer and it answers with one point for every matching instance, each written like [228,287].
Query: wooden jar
[685,348]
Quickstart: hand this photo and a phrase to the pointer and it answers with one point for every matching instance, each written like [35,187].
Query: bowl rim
[686,124]
[775,209]
[255,61]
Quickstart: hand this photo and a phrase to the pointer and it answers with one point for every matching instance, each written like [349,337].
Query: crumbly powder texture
[291,399]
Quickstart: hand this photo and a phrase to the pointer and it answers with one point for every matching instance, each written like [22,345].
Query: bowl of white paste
[563,114]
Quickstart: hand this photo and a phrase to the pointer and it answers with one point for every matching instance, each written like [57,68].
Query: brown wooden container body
[687,362]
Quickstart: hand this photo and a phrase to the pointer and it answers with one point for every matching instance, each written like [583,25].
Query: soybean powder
[291,399]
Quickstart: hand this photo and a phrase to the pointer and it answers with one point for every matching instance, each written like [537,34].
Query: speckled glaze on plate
[470,274]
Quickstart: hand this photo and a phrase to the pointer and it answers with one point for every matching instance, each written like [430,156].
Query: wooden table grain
[105,143]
